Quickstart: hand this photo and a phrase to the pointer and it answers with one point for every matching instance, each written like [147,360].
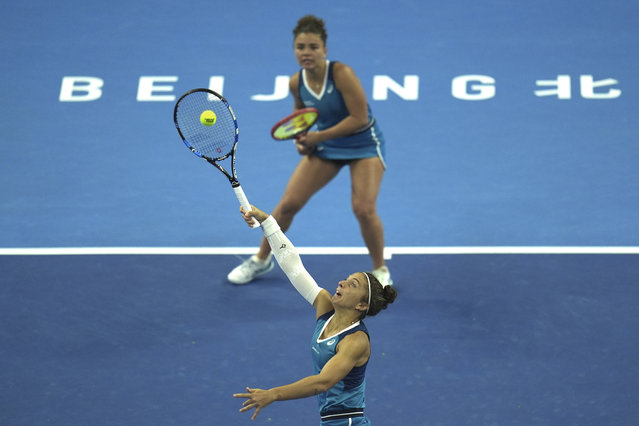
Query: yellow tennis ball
[208,118]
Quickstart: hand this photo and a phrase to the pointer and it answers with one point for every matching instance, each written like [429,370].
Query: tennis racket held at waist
[295,124]
[208,127]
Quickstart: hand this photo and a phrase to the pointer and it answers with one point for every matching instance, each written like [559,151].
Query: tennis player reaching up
[347,134]
[340,345]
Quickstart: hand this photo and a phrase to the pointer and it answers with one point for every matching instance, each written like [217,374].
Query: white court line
[388,251]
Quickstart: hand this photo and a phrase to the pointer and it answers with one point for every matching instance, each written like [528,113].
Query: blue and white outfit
[344,403]
[363,143]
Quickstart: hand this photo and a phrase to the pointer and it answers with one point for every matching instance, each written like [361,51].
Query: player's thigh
[310,175]
[366,180]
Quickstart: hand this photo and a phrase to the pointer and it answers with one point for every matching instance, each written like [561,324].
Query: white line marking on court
[389,252]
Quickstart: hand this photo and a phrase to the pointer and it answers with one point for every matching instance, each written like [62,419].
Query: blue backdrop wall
[507,123]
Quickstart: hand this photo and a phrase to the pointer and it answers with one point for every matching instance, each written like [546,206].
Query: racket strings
[296,124]
[214,141]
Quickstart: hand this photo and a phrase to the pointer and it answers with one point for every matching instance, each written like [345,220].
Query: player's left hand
[302,147]
[308,141]
[255,398]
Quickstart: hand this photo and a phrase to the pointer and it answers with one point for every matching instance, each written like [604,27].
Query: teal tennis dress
[364,143]
[344,403]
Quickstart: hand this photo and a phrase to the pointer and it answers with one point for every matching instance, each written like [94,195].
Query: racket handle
[244,202]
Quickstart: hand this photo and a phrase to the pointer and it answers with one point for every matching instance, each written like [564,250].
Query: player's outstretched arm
[286,255]
[353,349]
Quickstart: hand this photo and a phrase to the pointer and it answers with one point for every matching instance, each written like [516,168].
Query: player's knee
[289,207]
[364,212]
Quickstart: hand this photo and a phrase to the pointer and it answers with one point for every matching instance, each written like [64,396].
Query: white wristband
[270,226]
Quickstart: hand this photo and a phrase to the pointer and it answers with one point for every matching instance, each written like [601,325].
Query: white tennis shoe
[250,269]
[383,276]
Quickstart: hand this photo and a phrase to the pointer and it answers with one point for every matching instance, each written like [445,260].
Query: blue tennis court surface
[512,134]
[478,339]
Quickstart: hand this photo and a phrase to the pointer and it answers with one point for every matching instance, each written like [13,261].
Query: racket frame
[289,119]
[232,177]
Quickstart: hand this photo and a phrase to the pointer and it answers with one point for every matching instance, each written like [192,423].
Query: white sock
[256,259]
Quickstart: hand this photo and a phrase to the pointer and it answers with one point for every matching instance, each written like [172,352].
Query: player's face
[352,291]
[310,50]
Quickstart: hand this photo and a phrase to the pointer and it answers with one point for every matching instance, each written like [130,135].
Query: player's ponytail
[381,296]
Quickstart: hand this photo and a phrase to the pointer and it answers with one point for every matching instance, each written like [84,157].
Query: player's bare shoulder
[293,87]
[294,81]
[344,75]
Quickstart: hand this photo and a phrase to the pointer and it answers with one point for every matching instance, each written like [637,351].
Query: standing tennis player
[347,135]
[340,344]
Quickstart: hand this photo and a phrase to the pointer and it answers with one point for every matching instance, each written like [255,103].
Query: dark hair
[311,24]
[381,295]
